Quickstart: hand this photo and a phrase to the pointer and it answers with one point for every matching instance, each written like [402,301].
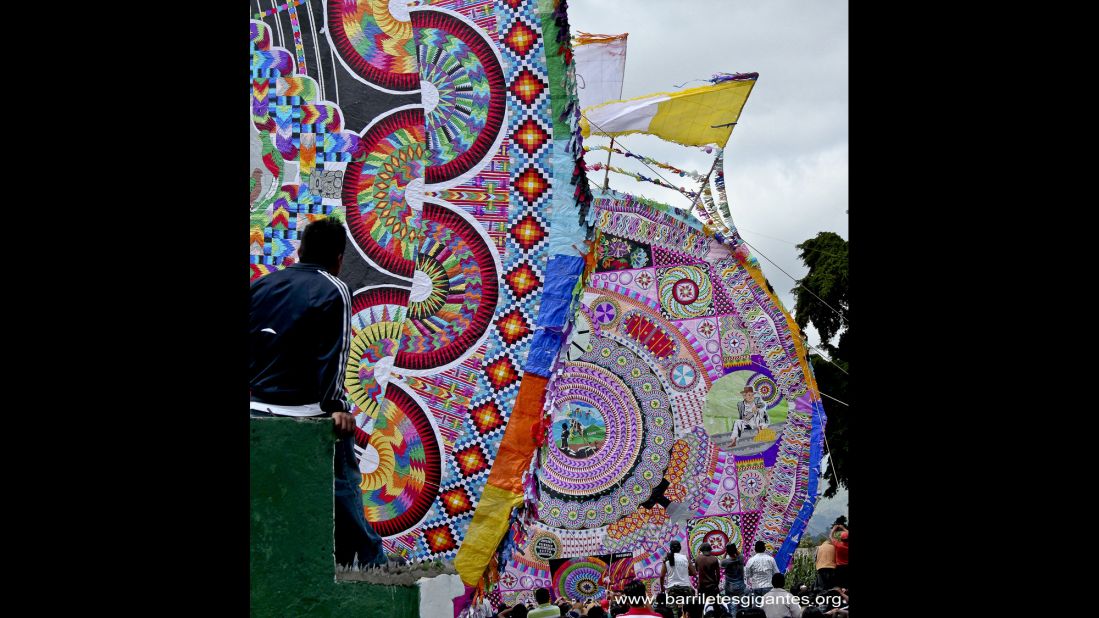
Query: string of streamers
[571,114]
[719,183]
[695,175]
[720,77]
[656,181]
[707,213]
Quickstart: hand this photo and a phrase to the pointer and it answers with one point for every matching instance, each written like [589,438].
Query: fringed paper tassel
[729,77]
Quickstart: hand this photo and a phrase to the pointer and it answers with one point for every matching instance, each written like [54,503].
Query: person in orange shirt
[841,559]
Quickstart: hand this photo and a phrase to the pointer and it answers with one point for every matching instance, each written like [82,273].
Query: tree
[821,296]
[820,299]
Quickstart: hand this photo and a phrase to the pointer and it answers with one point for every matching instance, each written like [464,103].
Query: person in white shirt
[752,412]
[779,602]
[675,573]
[759,570]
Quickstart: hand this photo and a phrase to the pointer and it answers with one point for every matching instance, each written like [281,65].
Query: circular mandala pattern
[597,490]
[403,486]
[717,531]
[766,389]
[578,578]
[706,329]
[728,503]
[545,545]
[683,375]
[685,292]
[375,44]
[467,80]
[735,342]
[599,389]
[376,317]
[751,482]
[379,217]
[451,319]
[605,311]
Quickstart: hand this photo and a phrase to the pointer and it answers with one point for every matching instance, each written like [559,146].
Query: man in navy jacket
[300,339]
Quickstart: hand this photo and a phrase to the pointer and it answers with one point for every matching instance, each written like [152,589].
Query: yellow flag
[693,117]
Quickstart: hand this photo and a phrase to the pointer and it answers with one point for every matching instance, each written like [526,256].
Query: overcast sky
[786,162]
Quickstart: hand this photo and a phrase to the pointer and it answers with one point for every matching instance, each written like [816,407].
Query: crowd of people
[755,587]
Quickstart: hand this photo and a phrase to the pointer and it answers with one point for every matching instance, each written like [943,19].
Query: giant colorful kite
[540,376]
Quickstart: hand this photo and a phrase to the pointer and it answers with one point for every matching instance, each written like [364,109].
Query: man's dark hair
[760,547]
[778,580]
[636,592]
[323,242]
[519,611]
[541,596]
[596,612]
[673,547]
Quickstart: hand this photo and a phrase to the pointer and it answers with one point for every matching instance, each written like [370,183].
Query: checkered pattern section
[304,130]
[522,244]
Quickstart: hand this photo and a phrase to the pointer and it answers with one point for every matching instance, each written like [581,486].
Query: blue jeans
[353,534]
[735,589]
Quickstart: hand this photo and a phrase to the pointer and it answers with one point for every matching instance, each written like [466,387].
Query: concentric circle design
[401,489]
[766,389]
[683,375]
[605,311]
[376,317]
[374,43]
[468,92]
[578,578]
[465,286]
[717,531]
[685,292]
[599,389]
[381,221]
[611,482]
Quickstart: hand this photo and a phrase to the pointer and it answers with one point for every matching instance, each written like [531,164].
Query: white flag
[600,67]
